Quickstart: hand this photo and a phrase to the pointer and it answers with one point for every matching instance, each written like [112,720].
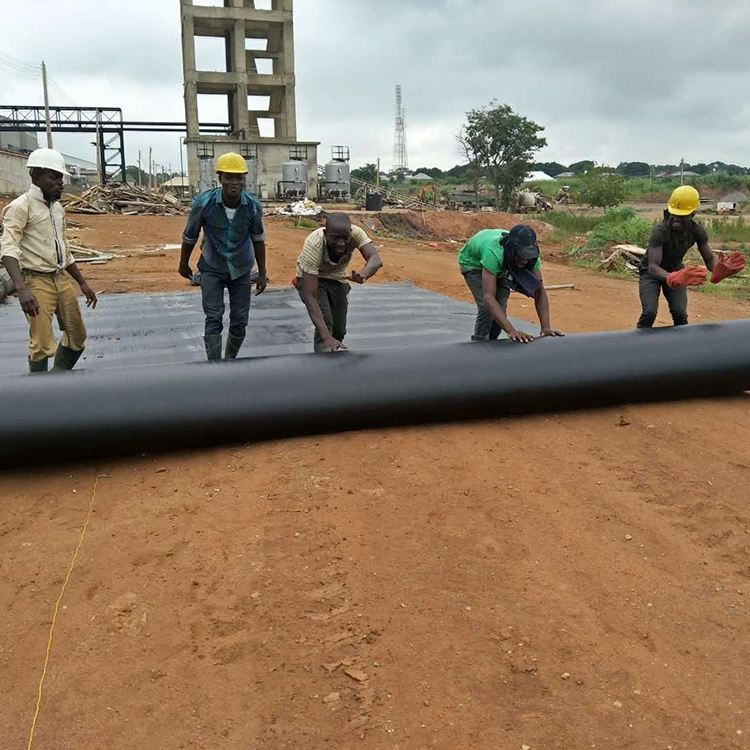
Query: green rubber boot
[213,347]
[234,344]
[39,365]
[65,358]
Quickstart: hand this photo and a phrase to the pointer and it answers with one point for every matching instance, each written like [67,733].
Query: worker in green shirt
[495,262]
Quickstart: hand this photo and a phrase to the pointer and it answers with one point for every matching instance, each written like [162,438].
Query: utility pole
[138,180]
[377,177]
[46,105]
[682,170]
[150,167]
[101,168]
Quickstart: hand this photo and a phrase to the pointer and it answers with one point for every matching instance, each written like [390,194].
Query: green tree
[435,172]
[505,142]
[634,169]
[552,168]
[368,173]
[580,167]
[470,144]
[602,190]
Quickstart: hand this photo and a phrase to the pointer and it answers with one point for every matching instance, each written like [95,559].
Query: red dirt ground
[560,581]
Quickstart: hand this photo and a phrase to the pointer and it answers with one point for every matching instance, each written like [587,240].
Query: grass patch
[631,231]
[618,225]
[303,223]
[728,230]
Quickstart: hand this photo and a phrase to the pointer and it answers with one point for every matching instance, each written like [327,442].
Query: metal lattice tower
[400,159]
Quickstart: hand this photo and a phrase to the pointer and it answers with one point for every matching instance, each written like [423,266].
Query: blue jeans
[213,283]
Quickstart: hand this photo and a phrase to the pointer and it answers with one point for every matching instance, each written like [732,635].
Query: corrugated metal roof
[134,330]
[736,197]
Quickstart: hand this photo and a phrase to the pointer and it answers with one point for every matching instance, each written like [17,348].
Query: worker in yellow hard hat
[233,240]
[662,269]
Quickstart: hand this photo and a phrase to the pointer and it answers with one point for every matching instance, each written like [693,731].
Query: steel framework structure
[400,158]
[106,122]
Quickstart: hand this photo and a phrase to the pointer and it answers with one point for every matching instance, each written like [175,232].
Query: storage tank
[293,179]
[337,180]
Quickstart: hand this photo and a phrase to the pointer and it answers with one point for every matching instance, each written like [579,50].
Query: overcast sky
[611,80]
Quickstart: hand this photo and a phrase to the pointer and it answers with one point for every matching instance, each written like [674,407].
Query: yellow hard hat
[231,164]
[684,201]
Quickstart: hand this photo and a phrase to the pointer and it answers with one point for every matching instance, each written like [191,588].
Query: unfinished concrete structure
[259,50]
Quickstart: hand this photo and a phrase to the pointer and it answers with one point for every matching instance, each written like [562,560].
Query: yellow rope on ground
[57,610]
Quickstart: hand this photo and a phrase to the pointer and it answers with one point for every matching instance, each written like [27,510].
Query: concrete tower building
[259,52]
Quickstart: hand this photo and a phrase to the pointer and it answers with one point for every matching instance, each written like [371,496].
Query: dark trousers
[333,299]
[649,289]
[485,327]
[213,284]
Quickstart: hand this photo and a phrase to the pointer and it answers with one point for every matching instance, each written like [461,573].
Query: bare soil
[559,581]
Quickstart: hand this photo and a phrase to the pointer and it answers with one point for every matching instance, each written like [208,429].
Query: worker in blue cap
[495,262]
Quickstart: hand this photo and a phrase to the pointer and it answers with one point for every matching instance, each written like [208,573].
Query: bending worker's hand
[727,266]
[333,345]
[550,332]
[688,276]
[520,336]
[185,271]
[357,277]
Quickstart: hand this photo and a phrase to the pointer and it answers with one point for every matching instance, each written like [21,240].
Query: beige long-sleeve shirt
[35,233]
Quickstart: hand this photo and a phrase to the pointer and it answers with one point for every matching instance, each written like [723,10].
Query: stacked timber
[124,199]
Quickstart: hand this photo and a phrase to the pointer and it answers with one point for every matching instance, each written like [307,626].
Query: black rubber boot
[65,359]
[39,365]
[213,347]
[234,344]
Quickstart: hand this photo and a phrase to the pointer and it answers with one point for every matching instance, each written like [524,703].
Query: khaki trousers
[56,296]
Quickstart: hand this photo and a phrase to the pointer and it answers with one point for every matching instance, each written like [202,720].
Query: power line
[59,91]
[19,73]
[22,66]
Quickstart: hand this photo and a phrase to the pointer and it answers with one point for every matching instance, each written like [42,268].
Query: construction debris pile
[300,208]
[628,255]
[124,199]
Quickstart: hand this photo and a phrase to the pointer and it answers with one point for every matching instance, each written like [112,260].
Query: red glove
[727,266]
[688,276]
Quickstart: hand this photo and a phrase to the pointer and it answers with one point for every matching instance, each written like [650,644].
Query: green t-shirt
[484,250]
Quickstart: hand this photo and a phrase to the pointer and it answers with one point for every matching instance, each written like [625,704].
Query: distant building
[22,142]
[686,173]
[14,176]
[539,177]
[566,174]
[420,177]
[179,185]
[731,203]
[82,170]
[735,197]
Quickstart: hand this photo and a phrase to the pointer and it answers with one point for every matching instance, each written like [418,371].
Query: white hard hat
[47,158]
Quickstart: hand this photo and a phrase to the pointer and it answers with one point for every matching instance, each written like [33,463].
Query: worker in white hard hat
[662,269]
[233,240]
[34,250]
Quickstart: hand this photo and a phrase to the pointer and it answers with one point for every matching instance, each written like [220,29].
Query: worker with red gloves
[662,269]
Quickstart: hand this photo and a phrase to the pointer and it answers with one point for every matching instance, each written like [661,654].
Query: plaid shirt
[226,245]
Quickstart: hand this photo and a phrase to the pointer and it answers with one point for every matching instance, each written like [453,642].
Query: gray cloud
[612,80]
